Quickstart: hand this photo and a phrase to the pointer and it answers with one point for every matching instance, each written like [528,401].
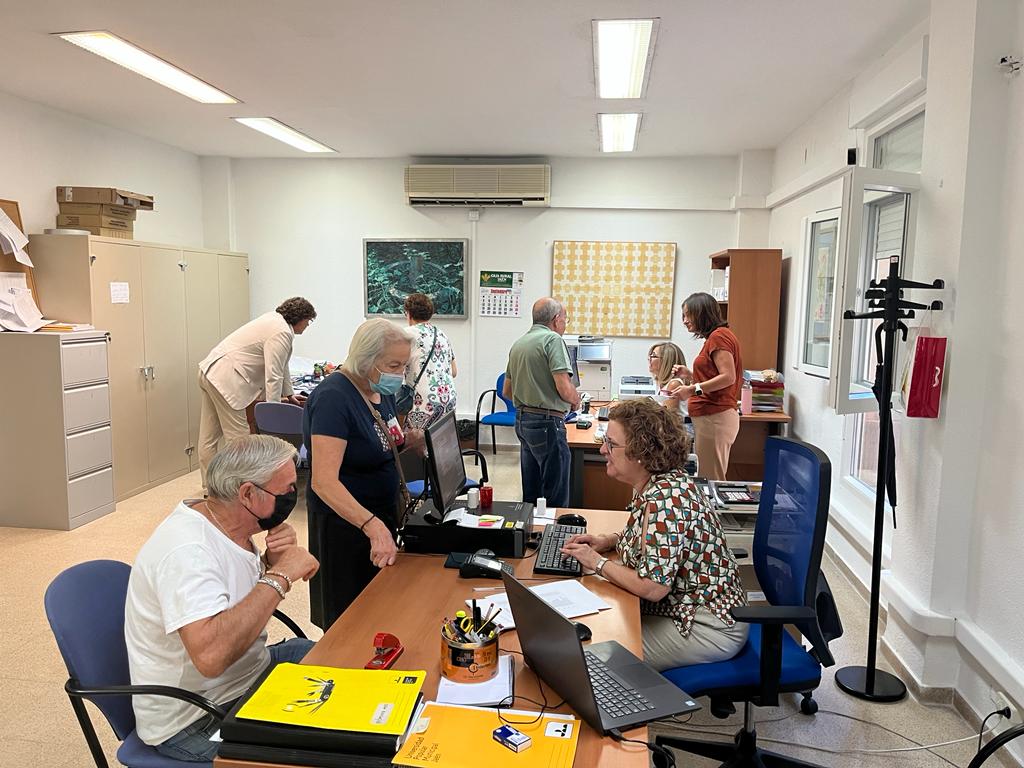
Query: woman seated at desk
[672,553]
[662,358]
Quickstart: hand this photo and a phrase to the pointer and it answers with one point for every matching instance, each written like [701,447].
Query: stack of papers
[466,519]
[569,598]
[13,240]
[490,693]
[18,310]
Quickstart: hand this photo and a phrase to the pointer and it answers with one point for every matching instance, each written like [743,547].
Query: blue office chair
[789,537]
[421,487]
[506,418]
[85,608]
[283,420]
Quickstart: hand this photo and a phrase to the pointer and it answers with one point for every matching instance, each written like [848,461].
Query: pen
[476,616]
[486,589]
[491,618]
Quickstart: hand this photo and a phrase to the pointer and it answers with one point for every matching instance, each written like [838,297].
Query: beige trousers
[217,421]
[709,640]
[713,439]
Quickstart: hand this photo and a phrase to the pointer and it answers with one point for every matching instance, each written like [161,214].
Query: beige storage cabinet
[56,455]
[165,307]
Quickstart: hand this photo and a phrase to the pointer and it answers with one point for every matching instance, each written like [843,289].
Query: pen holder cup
[469,662]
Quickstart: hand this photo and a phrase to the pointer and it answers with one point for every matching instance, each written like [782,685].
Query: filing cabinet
[56,452]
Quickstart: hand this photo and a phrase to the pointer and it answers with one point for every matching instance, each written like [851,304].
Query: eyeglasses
[612,445]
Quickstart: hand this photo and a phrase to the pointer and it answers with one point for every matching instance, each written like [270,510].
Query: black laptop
[606,684]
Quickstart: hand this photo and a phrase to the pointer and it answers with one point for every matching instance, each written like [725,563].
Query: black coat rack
[886,302]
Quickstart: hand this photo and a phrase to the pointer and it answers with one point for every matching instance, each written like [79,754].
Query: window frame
[826,214]
[891,122]
[845,395]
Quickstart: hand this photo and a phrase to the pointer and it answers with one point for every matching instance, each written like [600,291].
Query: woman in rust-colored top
[714,387]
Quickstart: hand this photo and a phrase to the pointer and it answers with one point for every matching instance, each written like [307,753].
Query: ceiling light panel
[278,130]
[113,48]
[618,132]
[623,50]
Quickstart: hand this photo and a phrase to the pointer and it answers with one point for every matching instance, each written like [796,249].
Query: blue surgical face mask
[388,384]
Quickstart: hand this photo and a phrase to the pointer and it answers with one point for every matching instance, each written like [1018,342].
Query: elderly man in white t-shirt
[201,594]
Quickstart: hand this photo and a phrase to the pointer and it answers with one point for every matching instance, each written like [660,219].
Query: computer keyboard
[612,696]
[549,556]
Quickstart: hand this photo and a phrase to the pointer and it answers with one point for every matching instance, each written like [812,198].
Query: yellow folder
[461,737]
[362,700]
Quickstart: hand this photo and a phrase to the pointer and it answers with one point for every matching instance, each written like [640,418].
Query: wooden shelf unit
[752,310]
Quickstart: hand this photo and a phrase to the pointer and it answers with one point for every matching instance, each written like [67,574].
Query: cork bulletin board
[7,261]
[615,289]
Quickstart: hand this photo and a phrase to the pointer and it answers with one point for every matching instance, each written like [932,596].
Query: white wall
[955,571]
[42,148]
[303,223]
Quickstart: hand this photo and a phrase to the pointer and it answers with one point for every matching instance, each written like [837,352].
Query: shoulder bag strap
[403,488]
[427,361]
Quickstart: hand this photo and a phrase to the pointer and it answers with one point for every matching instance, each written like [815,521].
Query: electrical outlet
[999,701]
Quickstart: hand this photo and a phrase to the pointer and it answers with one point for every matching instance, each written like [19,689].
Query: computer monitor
[446,473]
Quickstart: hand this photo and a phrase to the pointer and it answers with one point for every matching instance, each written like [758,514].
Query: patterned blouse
[435,393]
[683,547]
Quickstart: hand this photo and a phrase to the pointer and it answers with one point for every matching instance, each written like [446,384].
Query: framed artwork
[615,289]
[396,268]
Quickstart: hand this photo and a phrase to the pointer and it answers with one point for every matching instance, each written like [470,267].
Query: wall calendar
[501,294]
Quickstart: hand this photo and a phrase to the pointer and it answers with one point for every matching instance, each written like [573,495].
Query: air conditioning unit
[479,185]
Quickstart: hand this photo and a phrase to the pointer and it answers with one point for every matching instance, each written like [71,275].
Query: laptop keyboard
[612,697]
[549,554]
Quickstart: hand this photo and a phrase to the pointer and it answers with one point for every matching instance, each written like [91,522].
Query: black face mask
[284,503]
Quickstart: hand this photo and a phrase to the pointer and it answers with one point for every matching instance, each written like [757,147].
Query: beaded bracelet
[284,576]
[272,584]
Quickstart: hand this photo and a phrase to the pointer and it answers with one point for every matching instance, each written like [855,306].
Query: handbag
[407,394]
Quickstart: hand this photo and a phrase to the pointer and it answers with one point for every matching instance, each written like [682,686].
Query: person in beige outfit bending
[250,361]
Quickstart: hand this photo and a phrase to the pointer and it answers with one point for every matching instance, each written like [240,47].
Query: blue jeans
[192,744]
[543,458]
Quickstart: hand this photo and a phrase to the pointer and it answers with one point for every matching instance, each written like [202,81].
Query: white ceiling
[433,78]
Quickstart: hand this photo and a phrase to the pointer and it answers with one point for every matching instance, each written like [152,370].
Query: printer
[424,531]
[633,387]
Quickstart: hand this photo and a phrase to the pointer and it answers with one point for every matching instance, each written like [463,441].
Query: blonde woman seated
[661,359]
[672,553]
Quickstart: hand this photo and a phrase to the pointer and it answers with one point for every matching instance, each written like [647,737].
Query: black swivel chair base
[743,752]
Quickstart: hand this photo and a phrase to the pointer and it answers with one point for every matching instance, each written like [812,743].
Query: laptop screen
[552,648]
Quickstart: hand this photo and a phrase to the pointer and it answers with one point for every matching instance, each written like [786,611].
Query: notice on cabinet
[119,293]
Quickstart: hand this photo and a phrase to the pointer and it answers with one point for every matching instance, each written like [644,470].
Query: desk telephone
[481,564]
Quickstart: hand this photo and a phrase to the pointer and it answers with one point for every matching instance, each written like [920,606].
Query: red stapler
[386,649]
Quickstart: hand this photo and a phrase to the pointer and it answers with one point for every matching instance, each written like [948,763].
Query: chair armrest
[290,623]
[772,614]
[73,688]
[483,462]
[480,400]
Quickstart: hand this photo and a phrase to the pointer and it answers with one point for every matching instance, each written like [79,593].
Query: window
[899,148]
[821,232]
[876,224]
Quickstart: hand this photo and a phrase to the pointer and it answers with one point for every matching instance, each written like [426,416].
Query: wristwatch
[600,565]
[697,389]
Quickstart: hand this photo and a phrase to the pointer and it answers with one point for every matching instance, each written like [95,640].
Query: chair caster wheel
[808,705]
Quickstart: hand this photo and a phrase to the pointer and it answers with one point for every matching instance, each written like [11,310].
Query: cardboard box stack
[100,210]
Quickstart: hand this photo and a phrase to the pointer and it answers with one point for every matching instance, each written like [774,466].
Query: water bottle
[746,398]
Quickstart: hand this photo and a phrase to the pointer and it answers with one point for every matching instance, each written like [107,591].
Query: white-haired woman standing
[352,433]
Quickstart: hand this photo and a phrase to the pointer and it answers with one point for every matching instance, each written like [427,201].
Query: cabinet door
[202,327]
[234,292]
[163,289]
[118,309]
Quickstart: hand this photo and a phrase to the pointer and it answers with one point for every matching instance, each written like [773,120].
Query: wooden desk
[411,598]
[590,486]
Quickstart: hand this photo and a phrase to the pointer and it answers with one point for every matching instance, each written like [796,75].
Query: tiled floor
[39,728]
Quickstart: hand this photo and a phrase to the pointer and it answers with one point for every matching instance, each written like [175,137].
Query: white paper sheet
[12,239]
[486,694]
[18,310]
[568,597]
[466,519]
[119,293]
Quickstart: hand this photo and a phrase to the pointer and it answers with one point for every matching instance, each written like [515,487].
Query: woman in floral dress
[435,391]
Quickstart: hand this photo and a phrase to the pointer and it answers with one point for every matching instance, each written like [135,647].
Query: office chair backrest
[789,535]
[85,607]
[283,420]
[499,387]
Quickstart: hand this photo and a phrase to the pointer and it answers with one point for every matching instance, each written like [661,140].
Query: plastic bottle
[746,398]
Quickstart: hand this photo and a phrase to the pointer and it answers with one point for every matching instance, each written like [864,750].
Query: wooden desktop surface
[412,597]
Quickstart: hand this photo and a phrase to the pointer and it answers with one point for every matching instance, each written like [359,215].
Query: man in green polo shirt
[538,380]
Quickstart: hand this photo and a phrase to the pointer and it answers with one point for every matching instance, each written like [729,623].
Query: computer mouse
[485,553]
[572,520]
[582,631]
